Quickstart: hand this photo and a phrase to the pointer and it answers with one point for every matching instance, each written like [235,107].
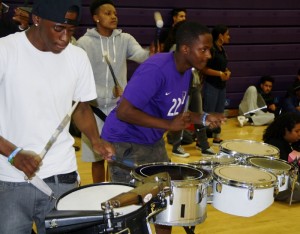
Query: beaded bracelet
[13,154]
[204,118]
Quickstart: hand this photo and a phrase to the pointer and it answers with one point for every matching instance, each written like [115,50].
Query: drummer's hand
[104,148]
[28,162]
[214,120]
[180,122]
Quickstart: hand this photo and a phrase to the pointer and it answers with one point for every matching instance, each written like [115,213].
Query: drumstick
[185,109]
[111,70]
[58,130]
[124,162]
[37,181]
[141,194]
[255,110]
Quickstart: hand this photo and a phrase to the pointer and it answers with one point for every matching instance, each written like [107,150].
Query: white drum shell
[235,200]
[233,197]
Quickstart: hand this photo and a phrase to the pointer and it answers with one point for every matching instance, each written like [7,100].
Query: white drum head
[244,176]
[91,197]
[248,148]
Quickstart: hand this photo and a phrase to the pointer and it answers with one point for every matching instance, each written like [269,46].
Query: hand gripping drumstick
[37,181]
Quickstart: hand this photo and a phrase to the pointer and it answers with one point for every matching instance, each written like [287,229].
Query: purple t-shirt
[156,88]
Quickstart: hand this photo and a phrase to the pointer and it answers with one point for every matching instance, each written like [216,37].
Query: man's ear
[185,49]
[36,19]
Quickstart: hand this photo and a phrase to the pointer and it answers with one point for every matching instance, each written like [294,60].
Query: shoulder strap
[99,113]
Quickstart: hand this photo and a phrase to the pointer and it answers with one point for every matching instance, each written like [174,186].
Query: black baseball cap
[55,10]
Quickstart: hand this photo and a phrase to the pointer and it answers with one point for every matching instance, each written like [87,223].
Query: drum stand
[189,230]
[295,178]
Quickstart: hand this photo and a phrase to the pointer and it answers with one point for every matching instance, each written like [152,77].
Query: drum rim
[243,184]
[275,171]
[211,162]
[234,153]
[206,175]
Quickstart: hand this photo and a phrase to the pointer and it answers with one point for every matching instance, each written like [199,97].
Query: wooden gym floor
[278,218]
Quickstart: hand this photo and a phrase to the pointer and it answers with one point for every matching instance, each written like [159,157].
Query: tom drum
[279,167]
[242,190]
[242,149]
[186,203]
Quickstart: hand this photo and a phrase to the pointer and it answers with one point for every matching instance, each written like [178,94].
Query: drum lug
[276,191]
[171,198]
[250,193]
[219,187]
[283,181]
[200,196]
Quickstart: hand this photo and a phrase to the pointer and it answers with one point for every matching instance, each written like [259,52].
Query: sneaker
[180,152]
[242,120]
[208,151]
[217,142]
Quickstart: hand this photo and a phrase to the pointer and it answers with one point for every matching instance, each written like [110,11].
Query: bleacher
[265,35]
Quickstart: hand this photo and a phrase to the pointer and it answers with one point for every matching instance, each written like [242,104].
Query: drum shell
[241,149]
[89,198]
[186,205]
[279,167]
[234,196]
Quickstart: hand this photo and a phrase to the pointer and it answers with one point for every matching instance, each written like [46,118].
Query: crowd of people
[118,120]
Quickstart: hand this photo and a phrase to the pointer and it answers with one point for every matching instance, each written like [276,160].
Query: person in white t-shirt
[41,74]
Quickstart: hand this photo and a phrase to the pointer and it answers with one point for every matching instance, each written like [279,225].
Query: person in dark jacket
[284,133]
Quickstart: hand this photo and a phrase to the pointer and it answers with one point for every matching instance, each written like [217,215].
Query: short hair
[97,3]
[218,29]
[188,32]
[175,11]
[263,79]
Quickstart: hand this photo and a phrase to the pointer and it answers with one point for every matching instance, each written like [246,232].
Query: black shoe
[209,151]
[217,142]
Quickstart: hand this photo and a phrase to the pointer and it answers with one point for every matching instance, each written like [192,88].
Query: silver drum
[186,203]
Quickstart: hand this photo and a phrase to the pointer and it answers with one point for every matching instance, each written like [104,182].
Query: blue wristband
[13,154]
[204,118]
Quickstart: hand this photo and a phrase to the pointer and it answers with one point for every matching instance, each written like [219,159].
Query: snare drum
[186,203]
[242,149]
[208,163]
[83,205]
[279,167]
[242,190]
